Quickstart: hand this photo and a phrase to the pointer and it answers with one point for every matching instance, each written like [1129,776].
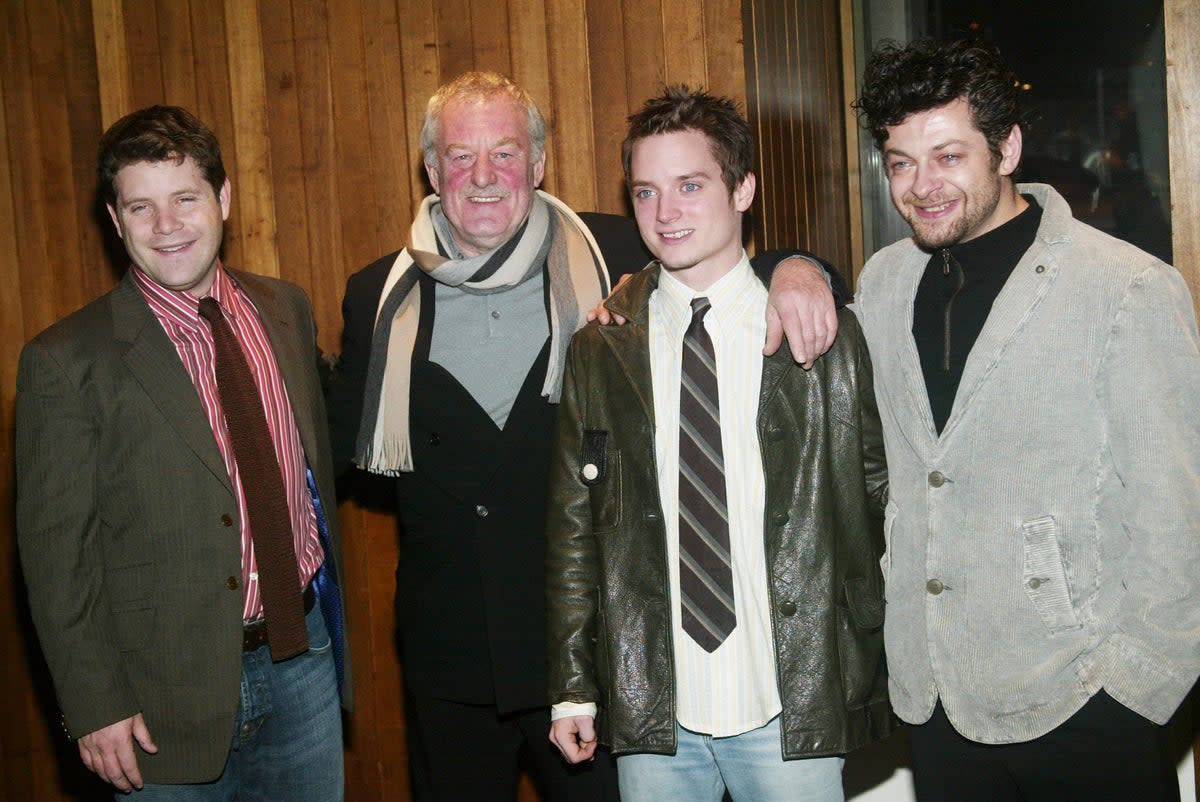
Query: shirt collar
[182,308]
[727,295]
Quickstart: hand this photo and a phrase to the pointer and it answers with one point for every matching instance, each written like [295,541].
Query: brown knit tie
[262,485]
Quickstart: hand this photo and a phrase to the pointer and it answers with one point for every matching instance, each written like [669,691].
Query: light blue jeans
[750,766]
[287,742]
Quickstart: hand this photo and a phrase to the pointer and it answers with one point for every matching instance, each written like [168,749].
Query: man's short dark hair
[682,109]
[900,81]
[156,134]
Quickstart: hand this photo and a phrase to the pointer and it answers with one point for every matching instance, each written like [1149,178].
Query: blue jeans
[287,740]
[750,766]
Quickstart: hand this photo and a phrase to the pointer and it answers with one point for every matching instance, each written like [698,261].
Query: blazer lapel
[905,363]
[289,350]
[1012,309]
[630,343]
[154,364]
[630,346]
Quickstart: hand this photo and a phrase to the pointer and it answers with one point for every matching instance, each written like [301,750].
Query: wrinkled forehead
[483,118]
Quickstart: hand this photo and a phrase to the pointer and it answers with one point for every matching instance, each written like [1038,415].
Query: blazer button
[787,609]
[232,583]
[937,479]
[434,439]
[481,511]
[780,518]
[227,520]
[934,586]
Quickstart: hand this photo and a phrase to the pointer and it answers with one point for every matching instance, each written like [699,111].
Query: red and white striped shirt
[179,314]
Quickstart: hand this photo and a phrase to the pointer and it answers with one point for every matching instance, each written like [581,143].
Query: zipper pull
[945,261]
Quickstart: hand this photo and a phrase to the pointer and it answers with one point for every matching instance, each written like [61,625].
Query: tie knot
[210,310]
[700,307]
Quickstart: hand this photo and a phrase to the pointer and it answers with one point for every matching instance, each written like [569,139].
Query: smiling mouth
[676,235]
[172,248]
[936,210]
[484,199]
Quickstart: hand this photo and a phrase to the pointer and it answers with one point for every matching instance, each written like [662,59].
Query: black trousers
[1103,752]
[469,753]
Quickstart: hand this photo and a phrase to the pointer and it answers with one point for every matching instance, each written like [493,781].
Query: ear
[1010,151]
[116,220]
[744,193]
[224,196]
[431,170]
[539,170]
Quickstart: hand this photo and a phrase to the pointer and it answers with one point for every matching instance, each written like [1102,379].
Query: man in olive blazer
[128,519]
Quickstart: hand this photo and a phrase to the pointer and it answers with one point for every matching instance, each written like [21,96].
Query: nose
[166,222]
[666,209]
[483,174]
[926,181]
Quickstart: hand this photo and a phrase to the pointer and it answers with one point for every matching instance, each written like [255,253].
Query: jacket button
[232,583]
[651,515]
[227,520]
[787,609]
[937,479]
[1040,269]
[434,439]
[934,586]
[775,435]
[481,511]
[780,518]
[1034,583]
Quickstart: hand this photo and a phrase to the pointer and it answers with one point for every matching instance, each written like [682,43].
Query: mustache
[492,191]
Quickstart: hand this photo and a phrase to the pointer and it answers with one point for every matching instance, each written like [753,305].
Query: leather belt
[254,634]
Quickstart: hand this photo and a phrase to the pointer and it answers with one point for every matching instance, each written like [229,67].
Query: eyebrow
[937,147]
[508,140]
[685,177]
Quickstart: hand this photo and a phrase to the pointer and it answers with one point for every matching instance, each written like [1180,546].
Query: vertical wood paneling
[112,58]
[145,64]
[797,107]
[609,94]
[1181,22]
[176,54]
[253,230]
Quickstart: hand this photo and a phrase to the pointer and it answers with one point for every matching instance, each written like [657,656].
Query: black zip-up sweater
[955,296]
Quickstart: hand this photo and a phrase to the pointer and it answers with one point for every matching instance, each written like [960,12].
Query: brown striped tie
[262,485]
[705,572]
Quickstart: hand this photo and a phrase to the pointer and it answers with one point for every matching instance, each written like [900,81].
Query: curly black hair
[901,80]
[680,108]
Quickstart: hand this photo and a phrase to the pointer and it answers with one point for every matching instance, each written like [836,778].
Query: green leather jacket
[608,601]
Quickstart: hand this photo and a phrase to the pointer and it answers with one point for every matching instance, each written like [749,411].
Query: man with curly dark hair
[1034,378]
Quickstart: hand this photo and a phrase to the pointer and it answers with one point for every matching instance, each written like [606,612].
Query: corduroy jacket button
[934,586]
[937,479]
[227,520]
[232,583]
[787,609]
[481,511]
[434,439]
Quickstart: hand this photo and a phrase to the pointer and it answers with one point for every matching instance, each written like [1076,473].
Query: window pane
[1095,99]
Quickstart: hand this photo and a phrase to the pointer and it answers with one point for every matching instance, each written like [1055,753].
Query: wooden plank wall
[796,101]
[317,104]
